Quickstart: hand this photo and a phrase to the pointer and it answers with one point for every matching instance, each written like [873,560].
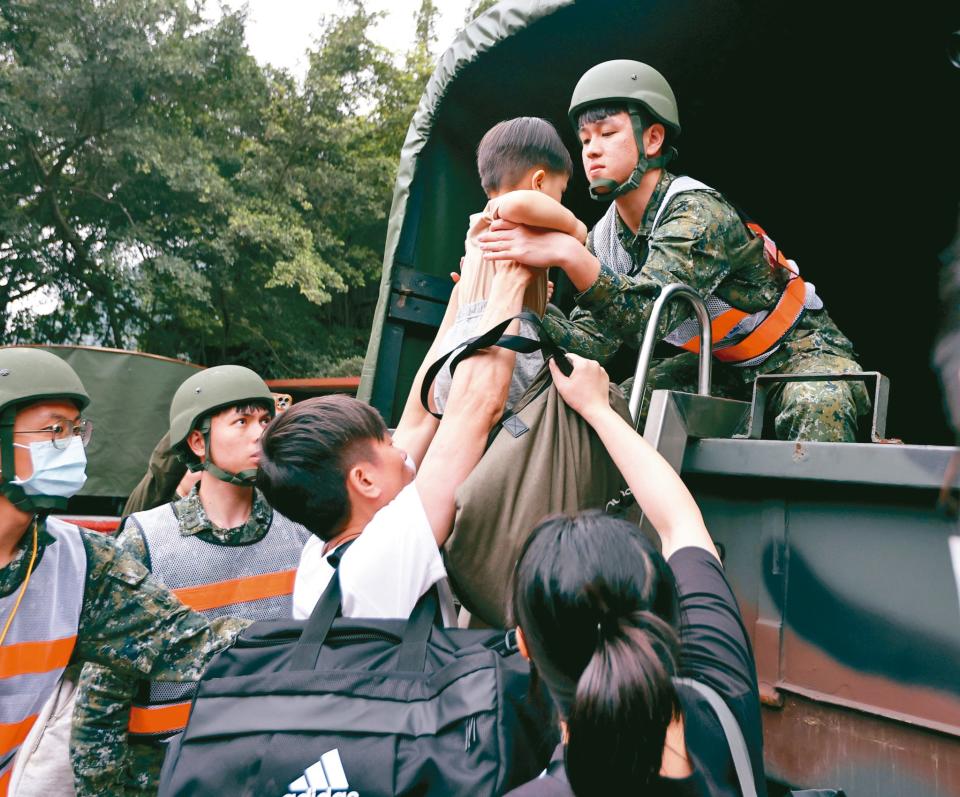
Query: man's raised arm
[477,398]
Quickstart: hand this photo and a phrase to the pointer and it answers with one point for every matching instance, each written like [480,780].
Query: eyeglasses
[61,433]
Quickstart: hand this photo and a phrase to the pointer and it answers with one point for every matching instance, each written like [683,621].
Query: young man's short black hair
[306,453]
[511,148]
[597,113]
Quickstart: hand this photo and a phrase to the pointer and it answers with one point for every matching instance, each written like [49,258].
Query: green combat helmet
[29,375]
[202,395]
[637,86]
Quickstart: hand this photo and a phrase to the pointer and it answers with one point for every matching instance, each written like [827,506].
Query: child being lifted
[524,169]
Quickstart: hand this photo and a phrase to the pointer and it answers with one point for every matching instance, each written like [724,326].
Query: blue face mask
[55,472]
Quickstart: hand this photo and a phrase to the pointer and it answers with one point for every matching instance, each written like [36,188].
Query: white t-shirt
[386,569]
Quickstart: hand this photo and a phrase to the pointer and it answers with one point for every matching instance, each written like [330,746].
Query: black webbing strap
[496,337]
[314,634]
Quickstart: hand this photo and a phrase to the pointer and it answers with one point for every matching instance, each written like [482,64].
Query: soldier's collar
[650,212]
[194,520]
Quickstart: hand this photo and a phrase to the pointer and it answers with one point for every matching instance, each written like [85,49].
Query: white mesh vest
[41,638]
[611,253]
[252,581]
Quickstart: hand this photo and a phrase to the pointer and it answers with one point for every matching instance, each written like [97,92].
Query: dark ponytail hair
[598,607]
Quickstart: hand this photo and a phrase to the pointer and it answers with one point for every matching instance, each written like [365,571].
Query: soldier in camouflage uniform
[661,230]
[67,595]
[216,418]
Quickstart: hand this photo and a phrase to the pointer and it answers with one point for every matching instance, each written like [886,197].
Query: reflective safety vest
[41,638]
[252,581]
[739,338]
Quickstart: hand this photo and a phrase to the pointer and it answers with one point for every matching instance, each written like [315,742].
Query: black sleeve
[714,646]
[713,642]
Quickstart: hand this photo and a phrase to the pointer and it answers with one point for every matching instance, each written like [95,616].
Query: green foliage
[174,196]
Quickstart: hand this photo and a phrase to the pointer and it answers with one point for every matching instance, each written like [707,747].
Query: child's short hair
[306,453]
[511,148]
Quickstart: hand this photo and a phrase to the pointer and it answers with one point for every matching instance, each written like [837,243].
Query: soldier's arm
[135,626]
[99,751]
[688,246]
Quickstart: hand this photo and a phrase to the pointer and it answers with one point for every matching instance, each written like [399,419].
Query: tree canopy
[170,194]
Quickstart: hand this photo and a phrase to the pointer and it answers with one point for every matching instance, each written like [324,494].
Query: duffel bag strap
[495,337]
[413,651]
[307,651]
[425,615]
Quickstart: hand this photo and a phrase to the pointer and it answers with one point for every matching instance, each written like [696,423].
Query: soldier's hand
[586,390]
[532,246]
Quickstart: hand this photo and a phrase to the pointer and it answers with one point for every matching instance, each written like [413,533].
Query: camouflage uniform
[129,621]
[105,761]
[700,240]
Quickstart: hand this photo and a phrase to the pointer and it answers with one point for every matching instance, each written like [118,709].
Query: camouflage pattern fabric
[129,621]
[701,241]
[105,760]
[193,520]
[821,411]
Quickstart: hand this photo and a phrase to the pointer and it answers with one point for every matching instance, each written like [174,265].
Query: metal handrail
[674,291]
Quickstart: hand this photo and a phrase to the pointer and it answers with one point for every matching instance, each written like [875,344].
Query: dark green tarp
[130,397]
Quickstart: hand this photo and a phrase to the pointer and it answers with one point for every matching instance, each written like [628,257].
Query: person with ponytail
[609,622]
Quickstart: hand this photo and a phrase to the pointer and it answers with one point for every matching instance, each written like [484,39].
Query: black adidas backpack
[344,707]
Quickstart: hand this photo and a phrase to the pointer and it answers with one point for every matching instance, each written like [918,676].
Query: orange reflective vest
[41,638]
[771,330]
[739,338]
[258,586]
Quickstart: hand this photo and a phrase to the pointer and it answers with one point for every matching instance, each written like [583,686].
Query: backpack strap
[731,729]
[495,337]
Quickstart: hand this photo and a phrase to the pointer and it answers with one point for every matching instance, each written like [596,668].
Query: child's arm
[536,209]
[661,494]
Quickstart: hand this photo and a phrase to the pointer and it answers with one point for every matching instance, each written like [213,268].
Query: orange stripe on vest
[720,326]
[772,329]
[12,734]
[5,781]
[238,590]
[25,658]
[159,719]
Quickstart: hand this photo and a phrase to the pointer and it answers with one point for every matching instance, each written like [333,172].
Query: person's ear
[196,443]
[537,178]
[522,644]
[653,138]
[360,481]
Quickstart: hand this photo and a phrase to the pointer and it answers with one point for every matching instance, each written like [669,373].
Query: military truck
[835,127]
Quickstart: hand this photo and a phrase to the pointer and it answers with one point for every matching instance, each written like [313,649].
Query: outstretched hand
[587,389]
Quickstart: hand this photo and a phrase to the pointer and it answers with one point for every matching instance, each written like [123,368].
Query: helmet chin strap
[14,493]
[613,189]
[243,478]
